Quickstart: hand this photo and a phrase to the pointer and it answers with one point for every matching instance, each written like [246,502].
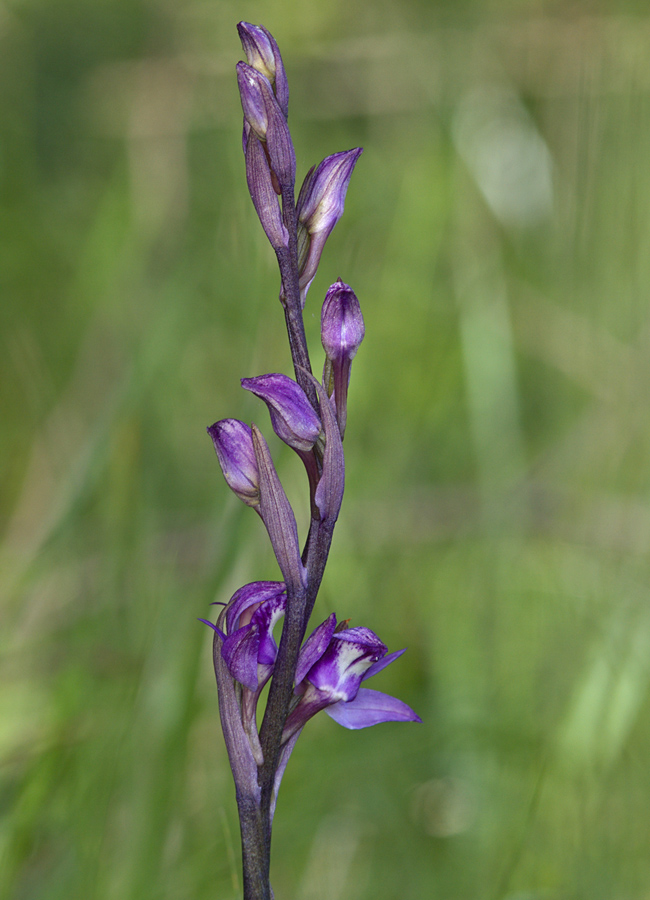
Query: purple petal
[239,652]
[265,618]
[320,206]
[339,671]
[292,416]
[250,81]
[342,330]
[342,327]
[263,114]
[251,594]
[314,647]
[322,195]
[371,708]
[386,661]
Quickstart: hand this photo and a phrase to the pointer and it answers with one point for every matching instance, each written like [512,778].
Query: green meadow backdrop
[497,512]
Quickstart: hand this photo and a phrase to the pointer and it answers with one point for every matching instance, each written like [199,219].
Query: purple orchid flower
[249,649]
[320,205]
[342,330]
[233,443]
[332,680]
[248,646]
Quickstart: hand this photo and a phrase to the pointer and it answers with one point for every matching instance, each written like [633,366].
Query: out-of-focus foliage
[496,519]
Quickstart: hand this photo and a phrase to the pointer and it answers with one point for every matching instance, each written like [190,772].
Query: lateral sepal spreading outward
[325,671]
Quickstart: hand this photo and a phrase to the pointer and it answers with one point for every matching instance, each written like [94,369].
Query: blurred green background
[496,519]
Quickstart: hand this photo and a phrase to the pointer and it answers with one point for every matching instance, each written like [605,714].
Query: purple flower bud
[342,328]
[342,331]
[292,416]
[263,54]
[334,681]
[267,121]
[320,206]
[233,442]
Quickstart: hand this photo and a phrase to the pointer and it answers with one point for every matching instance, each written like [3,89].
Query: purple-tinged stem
[288,263]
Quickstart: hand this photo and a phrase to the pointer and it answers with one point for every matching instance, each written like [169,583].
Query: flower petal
[314,647]
[371,708]
[382,663]
[339,671]
[265,618]
[250,594]
[239,652]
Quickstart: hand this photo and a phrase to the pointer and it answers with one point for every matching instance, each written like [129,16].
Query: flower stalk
[325,671]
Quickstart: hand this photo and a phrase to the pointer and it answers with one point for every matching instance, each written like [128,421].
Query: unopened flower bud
[320,206]
[267,121]
[342,330]
[263,54]
[292,415]
[233,443]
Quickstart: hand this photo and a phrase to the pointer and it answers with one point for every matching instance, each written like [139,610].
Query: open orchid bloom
[248,646]
[333,679]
